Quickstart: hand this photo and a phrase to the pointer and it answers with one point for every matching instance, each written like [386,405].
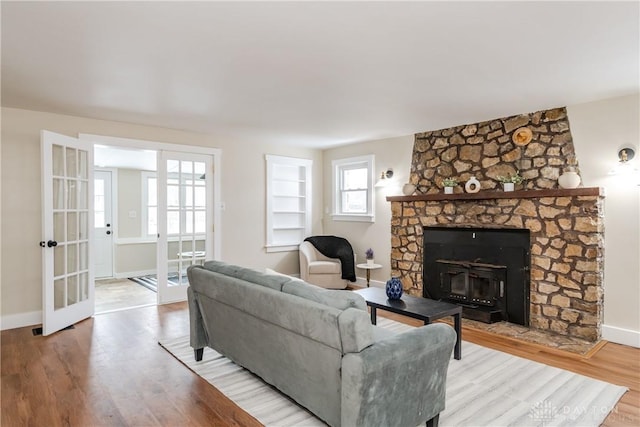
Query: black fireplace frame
[494,248]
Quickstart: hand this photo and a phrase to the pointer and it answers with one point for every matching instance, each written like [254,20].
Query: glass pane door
[67,279]
[188,225]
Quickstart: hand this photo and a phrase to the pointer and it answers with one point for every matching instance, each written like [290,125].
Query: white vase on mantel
[408,189]
[569,179]
[448,190]
[472,186]
[508,186]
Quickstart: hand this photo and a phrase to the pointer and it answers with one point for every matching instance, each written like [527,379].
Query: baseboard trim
[621,336]
[20,320]
[362,281]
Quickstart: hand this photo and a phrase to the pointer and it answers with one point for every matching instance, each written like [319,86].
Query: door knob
[108,232]
[52,243]
[108,225]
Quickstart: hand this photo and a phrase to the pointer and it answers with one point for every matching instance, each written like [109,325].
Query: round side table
[368,268]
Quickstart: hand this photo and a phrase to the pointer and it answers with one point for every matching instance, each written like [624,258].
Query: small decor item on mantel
[448,184]
[569,179]
[394,288]
[509,182]
[408,189]
[368,254]
[472,186]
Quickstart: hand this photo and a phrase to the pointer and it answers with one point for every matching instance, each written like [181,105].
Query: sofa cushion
[333,298]
[356,331]
[325,267]
[276,273]
[253,276]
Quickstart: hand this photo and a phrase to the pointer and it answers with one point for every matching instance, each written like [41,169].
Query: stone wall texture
[566,252]
[567,235]
[486,150]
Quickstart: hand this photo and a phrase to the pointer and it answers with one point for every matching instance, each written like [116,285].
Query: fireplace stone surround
[566,226]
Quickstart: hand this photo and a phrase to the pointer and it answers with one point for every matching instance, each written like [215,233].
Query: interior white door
[102,224]
[67,281]
[185,221]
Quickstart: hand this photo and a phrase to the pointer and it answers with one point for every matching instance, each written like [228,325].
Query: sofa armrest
[398,381]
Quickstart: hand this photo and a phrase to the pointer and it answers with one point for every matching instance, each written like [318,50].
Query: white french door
[67,281]
[102,224]
[185,219]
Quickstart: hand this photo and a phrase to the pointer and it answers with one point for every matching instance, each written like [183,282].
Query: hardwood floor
[110,371]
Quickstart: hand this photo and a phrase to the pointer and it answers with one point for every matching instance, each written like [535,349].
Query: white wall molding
[621,336]
[20,320]
[135,241]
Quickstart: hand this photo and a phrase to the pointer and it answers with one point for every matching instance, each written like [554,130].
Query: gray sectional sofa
[318,347]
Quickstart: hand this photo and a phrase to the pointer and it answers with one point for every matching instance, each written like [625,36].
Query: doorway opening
[123,248]
[159,222]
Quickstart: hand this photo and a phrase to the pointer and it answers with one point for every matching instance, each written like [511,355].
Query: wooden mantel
[485,195]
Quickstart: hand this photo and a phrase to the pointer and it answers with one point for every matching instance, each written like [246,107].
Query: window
[184,184]
[288,202]
[353,189]
[98,203]
[149,204]
[186,197]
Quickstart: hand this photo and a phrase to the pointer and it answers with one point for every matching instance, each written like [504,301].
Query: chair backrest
[309,254]
[312,254]
[308,251]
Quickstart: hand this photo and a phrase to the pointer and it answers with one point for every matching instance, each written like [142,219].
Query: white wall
[392,153]
[599,130]
[243,191]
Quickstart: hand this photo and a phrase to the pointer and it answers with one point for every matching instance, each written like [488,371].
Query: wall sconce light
[626,154]
[625,166]
[385,176]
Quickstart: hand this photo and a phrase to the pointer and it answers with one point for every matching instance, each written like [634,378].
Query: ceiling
[314,74]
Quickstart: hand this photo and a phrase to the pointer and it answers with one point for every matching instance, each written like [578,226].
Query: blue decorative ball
[394,288]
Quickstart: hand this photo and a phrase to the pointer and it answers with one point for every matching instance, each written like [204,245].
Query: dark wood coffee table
[424,309]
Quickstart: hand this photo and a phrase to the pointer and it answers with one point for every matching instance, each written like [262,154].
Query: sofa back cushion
[333,298]
[356,332]
[269,280]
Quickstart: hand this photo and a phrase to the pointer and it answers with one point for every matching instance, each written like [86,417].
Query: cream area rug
[485,388]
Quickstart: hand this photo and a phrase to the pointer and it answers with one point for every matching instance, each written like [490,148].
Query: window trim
[337,166]
[144,210]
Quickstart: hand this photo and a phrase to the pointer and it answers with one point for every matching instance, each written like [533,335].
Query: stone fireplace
[565,227]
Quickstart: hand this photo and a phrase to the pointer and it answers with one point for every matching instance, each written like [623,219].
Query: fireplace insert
[484,270]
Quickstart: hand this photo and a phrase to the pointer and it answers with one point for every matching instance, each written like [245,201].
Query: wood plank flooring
[110,371]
